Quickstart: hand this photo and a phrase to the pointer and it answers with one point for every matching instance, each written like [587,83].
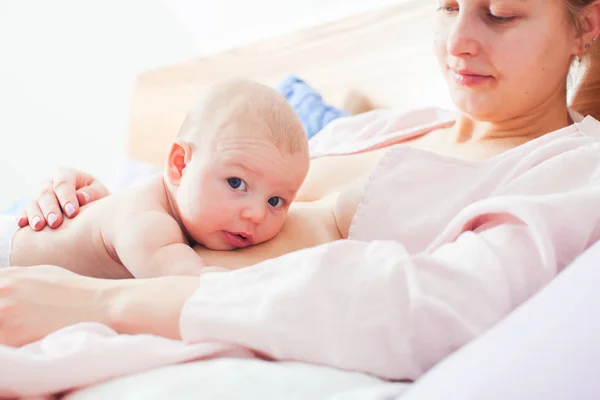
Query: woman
[463,217]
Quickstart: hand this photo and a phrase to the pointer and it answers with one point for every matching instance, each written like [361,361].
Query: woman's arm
[371,307]
[35,301]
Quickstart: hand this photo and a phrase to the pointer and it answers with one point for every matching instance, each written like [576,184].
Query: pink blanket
[89,353]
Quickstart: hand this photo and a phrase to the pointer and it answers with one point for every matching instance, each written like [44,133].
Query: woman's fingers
[49,206]
[45,210]
[94,191]
[63,195]
[35,218]
[75,188]
[35,301]
[65,187]
[22,220]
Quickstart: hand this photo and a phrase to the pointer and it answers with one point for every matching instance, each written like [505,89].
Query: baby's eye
[275,202]
[237,183]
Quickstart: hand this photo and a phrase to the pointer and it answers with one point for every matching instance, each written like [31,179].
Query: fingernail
[85,196]
[69,209]
[20,220]
[35,221]
[51,219]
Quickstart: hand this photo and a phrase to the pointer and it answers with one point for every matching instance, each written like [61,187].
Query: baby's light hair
[230,102]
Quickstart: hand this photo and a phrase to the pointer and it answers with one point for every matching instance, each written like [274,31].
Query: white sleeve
[370,306]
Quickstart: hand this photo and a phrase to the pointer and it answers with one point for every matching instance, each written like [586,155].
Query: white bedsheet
[229,379]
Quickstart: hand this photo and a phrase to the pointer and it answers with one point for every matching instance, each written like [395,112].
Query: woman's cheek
[439,41]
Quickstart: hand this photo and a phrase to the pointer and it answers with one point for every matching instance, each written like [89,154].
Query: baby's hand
[66,192]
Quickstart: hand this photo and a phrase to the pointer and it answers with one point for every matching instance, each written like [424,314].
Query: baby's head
[239,159]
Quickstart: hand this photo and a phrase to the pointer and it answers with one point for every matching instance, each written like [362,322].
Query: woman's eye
[447,9]
[236,183]
[500,20]
[275,202]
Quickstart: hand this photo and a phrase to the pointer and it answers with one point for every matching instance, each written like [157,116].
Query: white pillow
[233,379]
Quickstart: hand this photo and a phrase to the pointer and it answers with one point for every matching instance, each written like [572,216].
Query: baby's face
[238,193]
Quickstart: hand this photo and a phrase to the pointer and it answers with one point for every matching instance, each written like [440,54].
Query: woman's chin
[477,109]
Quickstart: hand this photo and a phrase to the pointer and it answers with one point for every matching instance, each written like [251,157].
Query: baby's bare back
[85,244]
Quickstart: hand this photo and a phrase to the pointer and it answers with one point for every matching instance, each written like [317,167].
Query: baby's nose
[255,213]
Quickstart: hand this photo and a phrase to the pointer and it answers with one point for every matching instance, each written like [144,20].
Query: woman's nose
[462,37]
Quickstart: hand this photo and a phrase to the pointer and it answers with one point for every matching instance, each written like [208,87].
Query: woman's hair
[587,98]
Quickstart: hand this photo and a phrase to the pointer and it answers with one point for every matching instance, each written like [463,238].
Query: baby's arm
[151,244]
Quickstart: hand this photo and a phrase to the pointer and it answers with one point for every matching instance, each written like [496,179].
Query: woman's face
[503,59]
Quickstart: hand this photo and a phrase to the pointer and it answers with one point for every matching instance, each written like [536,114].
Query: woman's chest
[330,174]
[440,142]
[412,196]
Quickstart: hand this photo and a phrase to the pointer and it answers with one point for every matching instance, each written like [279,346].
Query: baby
[231,174]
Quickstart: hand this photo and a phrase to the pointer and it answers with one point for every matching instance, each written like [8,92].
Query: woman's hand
[35,301]
[65,193]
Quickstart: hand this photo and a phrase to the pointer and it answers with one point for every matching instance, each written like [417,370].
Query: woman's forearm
[148,306]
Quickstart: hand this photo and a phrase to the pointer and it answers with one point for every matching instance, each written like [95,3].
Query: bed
[377,55]
[373,54]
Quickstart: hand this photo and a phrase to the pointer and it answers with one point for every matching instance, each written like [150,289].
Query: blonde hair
[586,99]
[231,102]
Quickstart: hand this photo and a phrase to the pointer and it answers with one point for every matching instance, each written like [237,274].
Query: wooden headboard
[380,54]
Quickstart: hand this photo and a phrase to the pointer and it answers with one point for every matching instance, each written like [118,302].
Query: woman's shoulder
[372,129]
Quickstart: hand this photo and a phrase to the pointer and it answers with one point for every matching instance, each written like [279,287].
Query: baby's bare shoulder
[136,213]
[149,228]
[121,208]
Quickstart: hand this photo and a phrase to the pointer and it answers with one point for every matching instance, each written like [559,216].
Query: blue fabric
[15,208]
[314,113]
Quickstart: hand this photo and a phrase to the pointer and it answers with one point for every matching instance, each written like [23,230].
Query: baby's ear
[180,155]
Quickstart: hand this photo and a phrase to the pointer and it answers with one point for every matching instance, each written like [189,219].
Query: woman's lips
[468,78]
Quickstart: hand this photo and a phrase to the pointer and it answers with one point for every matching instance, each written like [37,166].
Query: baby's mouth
[245,236]
[238,240]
